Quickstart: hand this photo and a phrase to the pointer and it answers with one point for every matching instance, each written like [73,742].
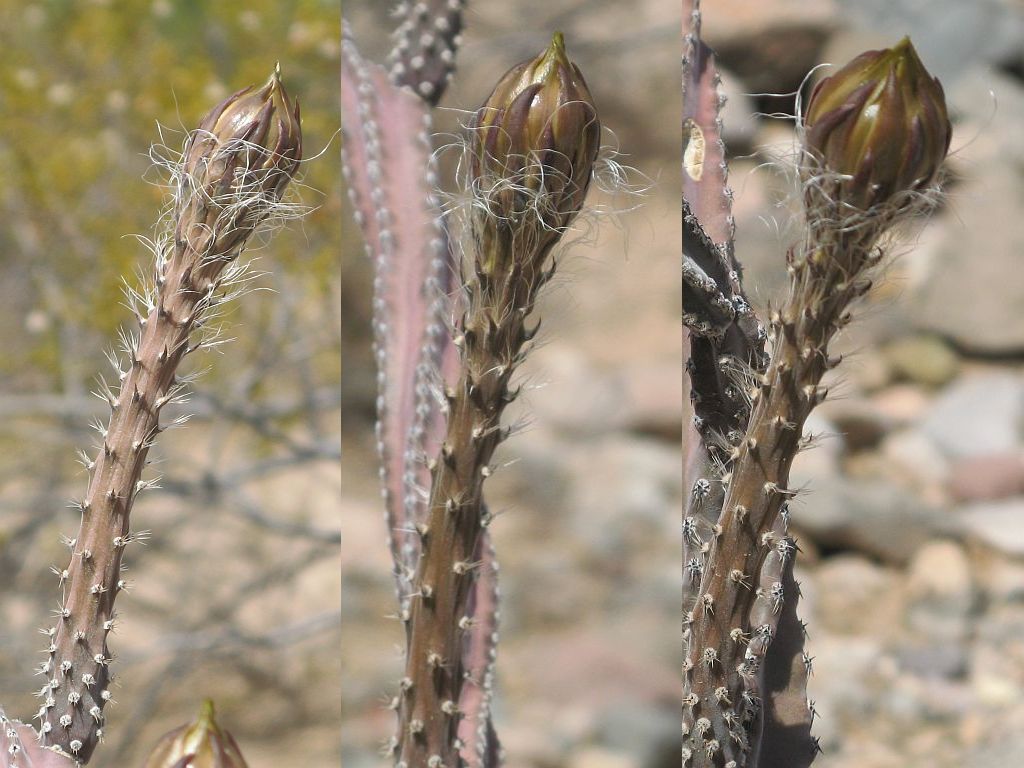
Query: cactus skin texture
[509,267]
[391,176]
[427,38]
[234,171]
[199,744]
[723,335]
[20,748]
[744,668]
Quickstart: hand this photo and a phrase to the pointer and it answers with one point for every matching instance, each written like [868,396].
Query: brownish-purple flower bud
[200,744]
[536,138]
[236,167]
[882,121]
[250,141]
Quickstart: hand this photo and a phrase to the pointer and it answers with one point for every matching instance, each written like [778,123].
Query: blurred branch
[233,638]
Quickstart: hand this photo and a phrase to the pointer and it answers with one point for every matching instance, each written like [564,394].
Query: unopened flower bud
[200,744]
[881,120]
[536,138]
[243,155]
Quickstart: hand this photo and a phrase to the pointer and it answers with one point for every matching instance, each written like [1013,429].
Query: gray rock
[869,371]
[579,397]
[942,660]
[739,124]
[990,637]
[774,54]
[911,455]
[649,401]
[1005,748]
[861,423]
[823,458]
[994,672]
[971,291]
[876,518]
[999,524]
[576,397]
[941,593]
[978,416]
[595,757]
[855,596]
[988,478]
[950,35]
[623,487]
[648,731]
[905,404]
[1003,579]
[941,572]
[843,685]
[923,360]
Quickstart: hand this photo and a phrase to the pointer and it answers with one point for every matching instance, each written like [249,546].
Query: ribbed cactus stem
[79,659]
[228,183]
[492,344]
[700,515]
[741,590]
[480,746]
[533,149]
[773,588]
[874,137]
[781,733]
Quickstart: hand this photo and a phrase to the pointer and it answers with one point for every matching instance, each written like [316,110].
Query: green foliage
[82,88]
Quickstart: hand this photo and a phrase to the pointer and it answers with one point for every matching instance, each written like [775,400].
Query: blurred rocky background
[912,526]
[235,596]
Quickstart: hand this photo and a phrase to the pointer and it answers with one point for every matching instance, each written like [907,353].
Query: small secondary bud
[536,138]
[882,121]
[200,744]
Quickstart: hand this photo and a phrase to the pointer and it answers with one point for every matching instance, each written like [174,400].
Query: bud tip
[558,44]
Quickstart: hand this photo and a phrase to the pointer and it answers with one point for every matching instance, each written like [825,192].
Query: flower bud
[236,167]
[251,142]
[200,744]
[536,138]
[881,120]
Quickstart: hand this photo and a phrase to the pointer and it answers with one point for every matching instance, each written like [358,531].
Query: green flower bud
[200,744]
[536,138]
[882,121]
[250,142]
